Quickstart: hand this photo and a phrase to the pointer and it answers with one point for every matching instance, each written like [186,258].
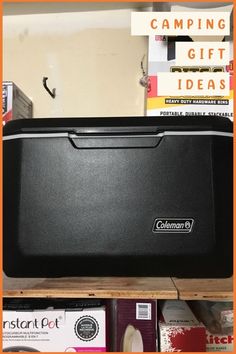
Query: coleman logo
[173,225]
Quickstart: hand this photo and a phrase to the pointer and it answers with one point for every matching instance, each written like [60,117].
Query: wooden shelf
[205,289]
[115,287]
[108,287]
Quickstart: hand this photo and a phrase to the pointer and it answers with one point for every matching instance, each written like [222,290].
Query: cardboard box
[15,104]
[69,330]
[218,320]
[164,61]
[134,326]
[219,342]
[162,58]
[179,330]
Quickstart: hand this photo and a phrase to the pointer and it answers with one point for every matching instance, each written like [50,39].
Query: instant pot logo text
[44,323]
[175,225]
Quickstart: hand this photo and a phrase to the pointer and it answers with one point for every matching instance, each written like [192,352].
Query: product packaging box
[179,329]
[218,319]
[134,325]
[219,342]
[55,330]
[15,104]
[162,58]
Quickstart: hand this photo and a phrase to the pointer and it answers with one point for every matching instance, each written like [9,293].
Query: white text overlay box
[180,23]
[193,84]
[202,53]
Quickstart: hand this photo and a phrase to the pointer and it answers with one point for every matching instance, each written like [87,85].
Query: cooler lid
[121,125]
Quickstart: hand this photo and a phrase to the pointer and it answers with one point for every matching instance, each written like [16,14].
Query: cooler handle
[114,141]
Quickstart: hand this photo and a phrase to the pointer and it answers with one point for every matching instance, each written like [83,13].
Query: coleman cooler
[119,197]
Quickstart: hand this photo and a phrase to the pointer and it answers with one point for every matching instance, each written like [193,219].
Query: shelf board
[116,287]
[84,287]
[205,289]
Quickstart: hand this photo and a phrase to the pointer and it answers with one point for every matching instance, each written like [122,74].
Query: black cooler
[118,196]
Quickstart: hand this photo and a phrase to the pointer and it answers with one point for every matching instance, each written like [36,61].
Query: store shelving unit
[109,287]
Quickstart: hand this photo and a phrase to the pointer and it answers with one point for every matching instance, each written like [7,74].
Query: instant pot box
[179,329]
[134,325]
[70,330]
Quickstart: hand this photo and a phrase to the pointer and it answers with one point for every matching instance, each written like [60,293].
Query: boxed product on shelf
[45,303]
[223,313]
[15,104]
[219,342]
[179,329]
[134,325]
[162,58]
[218,319]
[69,329]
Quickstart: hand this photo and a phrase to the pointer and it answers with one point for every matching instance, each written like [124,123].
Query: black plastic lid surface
[118,124]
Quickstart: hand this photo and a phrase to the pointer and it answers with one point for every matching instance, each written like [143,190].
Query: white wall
[89,56]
